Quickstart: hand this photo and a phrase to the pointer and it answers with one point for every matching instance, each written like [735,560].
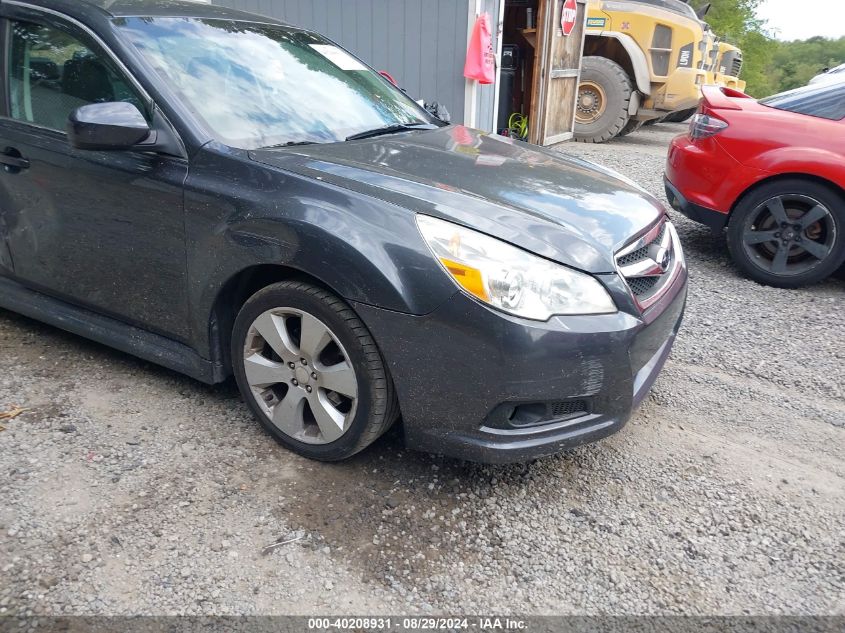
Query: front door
[100,229]
[5,253]
[560,46]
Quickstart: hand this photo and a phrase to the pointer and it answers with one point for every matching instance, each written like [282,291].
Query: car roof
[81,9]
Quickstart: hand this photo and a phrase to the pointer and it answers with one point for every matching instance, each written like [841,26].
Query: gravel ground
[128,489]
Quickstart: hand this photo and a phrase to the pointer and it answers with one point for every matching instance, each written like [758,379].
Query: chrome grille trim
[650,263]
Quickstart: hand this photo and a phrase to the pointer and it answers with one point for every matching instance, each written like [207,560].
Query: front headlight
[509,278]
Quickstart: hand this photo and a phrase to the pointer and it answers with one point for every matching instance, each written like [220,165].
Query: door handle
[13,161]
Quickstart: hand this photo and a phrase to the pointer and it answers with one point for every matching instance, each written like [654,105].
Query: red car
[773,172]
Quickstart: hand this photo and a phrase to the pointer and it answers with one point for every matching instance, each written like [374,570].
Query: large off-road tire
[630,127]
[789,233]
[310,371]
[680,116]
[603,99]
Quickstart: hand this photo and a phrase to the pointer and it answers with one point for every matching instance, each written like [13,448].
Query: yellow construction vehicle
[724,71]
[642,60]
[728,67]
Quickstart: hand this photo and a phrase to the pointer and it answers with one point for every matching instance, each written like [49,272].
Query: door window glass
[51,73]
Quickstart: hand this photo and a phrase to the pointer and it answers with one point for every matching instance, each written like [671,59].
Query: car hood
[559,207]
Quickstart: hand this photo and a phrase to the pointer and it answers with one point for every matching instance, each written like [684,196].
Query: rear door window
[825,101]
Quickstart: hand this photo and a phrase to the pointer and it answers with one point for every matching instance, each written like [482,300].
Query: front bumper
[457,369]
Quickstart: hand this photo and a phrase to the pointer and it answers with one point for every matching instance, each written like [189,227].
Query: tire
[688,114]
[680,116]
[364,406]
[617,87]
[631,126]
[777,253]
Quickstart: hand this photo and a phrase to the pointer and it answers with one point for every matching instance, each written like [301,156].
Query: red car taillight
[704,126]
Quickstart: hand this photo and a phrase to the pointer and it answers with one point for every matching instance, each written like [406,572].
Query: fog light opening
[529,414]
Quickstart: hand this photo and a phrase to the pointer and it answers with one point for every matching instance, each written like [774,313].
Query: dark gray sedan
[226,195]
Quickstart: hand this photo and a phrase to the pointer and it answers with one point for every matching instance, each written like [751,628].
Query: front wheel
[789,233]
[604,95]
[310,372]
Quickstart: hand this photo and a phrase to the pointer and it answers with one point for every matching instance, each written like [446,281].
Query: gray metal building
[422,44]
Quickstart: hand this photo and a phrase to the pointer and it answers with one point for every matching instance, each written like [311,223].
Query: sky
[800,19]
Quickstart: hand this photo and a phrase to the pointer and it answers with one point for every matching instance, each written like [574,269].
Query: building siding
[422,44]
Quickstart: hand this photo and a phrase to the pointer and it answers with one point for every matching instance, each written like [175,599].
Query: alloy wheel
[300,375]
[789,235]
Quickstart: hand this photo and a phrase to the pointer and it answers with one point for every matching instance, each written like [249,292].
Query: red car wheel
[789,233]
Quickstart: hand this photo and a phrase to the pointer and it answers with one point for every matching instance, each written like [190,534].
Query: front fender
[635,54]
[240,214]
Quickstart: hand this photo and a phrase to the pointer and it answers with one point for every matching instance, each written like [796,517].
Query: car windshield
[824,101]
[258,85]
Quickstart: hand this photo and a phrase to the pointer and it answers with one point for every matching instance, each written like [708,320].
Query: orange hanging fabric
[481,60]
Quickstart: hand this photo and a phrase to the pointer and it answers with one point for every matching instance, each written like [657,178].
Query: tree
[795,63]
[736,21]
[771,66]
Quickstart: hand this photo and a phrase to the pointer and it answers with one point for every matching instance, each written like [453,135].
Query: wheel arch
[235,292]
[780,278]
[623,50]
[820,180]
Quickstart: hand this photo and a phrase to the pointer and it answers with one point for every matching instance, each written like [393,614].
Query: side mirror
[107,126]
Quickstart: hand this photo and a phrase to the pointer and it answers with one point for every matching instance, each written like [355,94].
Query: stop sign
[568,15]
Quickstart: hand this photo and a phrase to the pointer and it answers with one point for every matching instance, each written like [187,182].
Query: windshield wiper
[391,129]
[290,144]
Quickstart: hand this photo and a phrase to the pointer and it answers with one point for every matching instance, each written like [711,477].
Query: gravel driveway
[129,489]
